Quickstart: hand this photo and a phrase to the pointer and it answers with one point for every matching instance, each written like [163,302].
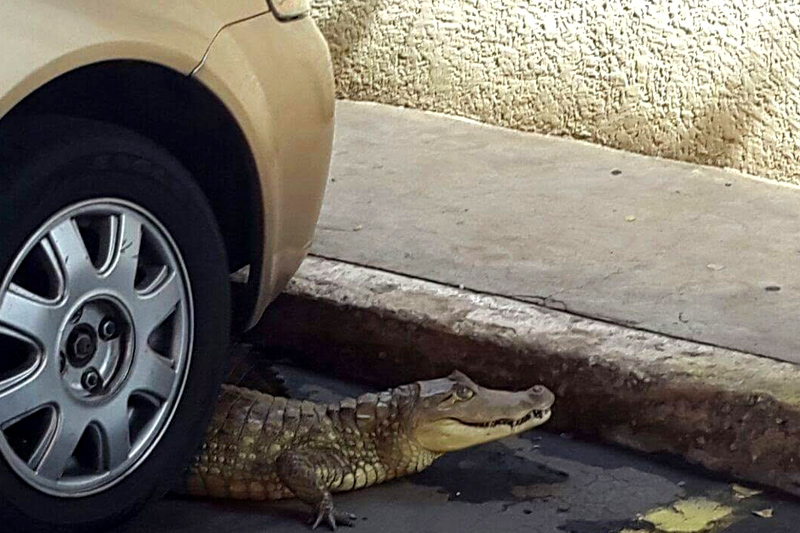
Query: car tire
[99,357]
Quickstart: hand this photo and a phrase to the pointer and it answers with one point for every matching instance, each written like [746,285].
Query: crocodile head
[453,413]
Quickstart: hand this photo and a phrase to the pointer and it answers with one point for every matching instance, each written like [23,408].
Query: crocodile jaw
[449,434]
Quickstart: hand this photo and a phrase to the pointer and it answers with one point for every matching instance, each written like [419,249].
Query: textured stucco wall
[709,81]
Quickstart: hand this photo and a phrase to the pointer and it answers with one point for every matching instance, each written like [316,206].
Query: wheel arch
[191,122]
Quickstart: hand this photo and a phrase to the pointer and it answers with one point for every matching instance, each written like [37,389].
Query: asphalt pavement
[539,482]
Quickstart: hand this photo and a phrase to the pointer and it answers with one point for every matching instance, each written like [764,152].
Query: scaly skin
[262,447]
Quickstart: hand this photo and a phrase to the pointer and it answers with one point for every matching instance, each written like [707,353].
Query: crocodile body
[251,431]
[263,447]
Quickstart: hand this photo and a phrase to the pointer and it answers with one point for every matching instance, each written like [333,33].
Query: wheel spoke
[71,251]
[116,435]
[126,258]
[47,437]
[71,426]
[53,265]
[25,398]
[22,311]
[153,374]
[156,305]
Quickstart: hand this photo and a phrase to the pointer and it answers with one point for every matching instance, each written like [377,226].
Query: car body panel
[173,34]
[276,77]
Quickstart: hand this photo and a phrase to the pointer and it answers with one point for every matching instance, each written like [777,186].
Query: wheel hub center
[97,348]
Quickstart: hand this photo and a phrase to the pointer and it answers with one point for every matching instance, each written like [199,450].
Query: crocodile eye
[464,393]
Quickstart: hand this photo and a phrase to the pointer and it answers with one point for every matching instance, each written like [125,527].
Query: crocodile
[264,447]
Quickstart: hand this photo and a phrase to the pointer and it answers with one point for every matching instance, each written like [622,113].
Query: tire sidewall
[114,164]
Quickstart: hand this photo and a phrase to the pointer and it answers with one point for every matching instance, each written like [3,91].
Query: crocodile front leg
[309,474]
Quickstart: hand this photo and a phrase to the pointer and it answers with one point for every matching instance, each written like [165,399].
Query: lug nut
[91,380]
[108,329]
[81,345]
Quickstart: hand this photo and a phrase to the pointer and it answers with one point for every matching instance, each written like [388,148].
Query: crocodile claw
[325,511]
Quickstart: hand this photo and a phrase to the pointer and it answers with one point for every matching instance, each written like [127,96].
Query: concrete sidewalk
[652,296]
[689,251]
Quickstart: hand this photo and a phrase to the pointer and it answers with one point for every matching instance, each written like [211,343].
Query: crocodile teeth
[538,414]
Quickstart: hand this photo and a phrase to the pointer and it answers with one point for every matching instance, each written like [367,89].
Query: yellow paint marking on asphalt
[695,515]
[741,493]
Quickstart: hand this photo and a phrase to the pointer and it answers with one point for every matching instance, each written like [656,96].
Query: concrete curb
[729,411]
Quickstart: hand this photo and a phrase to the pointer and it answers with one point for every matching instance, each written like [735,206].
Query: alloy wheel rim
[96,330]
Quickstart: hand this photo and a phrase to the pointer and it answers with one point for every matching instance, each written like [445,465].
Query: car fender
[276,79]
[43,39]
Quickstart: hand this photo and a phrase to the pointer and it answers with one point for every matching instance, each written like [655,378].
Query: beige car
[149,151]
